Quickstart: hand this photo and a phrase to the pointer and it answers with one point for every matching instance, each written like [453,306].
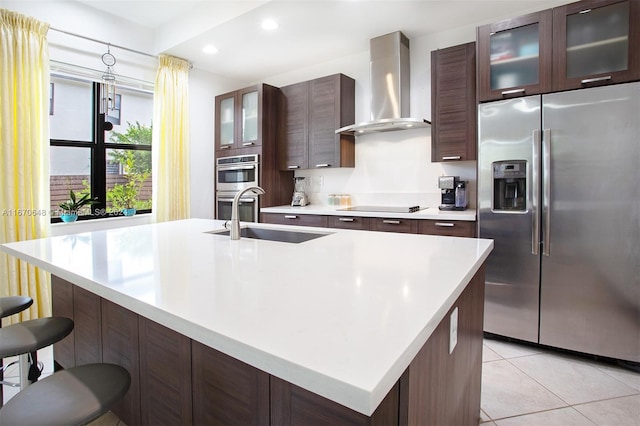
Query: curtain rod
[110,44]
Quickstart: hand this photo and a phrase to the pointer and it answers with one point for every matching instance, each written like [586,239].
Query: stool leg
[24,371]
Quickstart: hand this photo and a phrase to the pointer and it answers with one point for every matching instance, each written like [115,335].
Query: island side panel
[86,326]
[443,388]
[120,346]
[165,375]
[64,352]
[292,405]
[226,390]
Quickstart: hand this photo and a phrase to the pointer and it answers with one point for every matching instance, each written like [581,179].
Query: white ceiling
[310,31]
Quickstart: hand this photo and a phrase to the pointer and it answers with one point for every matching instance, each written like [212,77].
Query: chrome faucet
[234,232]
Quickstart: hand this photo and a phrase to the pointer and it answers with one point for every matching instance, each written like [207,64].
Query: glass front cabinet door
[248,99]
[238,118]
[514,57]
[596,42]
[226,121]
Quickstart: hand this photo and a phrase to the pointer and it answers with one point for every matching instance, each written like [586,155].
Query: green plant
[73,204]
[124,196]
[136,165]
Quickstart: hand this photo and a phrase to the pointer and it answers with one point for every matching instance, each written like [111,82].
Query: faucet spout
[234,232]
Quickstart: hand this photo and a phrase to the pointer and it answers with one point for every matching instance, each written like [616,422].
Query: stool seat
[70,397]
[13,304]
[29,336]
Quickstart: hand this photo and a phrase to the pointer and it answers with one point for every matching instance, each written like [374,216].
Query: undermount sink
[274,234]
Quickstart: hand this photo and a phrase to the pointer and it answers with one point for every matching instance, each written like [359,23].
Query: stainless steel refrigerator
[559,193]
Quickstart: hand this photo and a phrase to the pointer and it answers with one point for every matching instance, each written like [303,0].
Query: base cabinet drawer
[294,219]
[348,222]
[449,228]
[407,226]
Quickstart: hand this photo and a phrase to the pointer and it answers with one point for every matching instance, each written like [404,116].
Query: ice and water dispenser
[510,185]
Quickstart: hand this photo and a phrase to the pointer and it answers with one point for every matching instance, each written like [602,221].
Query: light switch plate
[453,330]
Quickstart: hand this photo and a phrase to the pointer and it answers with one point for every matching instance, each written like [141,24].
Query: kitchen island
[349,328]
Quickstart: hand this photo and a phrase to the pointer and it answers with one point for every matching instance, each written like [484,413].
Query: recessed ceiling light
[210,49]
[269,24]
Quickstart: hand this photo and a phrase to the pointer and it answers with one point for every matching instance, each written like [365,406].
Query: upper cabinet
[514,57]
[577,45]
[453,103]
[312,111]
[239,118]
[596,42]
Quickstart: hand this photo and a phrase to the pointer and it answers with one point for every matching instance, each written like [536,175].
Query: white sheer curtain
[171,190]
[24,154]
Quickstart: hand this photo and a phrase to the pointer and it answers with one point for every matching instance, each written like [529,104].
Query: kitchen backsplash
[392,168]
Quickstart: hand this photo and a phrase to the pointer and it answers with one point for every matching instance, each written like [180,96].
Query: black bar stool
[69,397]
[9,306]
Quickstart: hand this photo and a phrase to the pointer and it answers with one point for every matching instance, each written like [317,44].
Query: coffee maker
[299,198]
[453,193]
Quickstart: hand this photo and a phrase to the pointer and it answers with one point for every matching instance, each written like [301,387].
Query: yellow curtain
[171,191]
[24,154]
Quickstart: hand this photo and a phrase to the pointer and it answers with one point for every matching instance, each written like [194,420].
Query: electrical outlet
[453,330]
[320,180]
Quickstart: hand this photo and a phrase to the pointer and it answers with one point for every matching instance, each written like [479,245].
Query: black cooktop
[382,209]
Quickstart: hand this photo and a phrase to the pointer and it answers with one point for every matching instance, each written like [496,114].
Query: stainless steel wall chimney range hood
[389,68]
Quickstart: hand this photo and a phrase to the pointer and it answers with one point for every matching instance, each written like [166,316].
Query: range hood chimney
[389,69]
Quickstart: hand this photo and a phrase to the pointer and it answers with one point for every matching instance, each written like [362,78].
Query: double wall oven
[233,174]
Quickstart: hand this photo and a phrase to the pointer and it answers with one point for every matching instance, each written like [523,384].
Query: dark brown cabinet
[514,57]
[62,306]
[241,129]
[581,44]
[165,375]
[239,118]
[449,228]
[295,149]
[311,112]
[408,226]
[596,42]
[227,391]
[348,222]
[120,346]
[453,103]
[294,219]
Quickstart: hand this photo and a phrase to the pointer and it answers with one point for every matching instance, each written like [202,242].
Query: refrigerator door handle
[535,190]
[546,191]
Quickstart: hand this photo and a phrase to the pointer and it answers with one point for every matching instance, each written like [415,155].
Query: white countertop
[342,315]
[432,213]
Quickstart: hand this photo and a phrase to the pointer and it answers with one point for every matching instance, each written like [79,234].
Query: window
[113,166]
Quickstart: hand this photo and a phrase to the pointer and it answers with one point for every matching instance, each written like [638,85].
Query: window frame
[98,147]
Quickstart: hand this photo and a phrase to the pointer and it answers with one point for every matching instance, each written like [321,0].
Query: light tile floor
[527,385]
[521,386]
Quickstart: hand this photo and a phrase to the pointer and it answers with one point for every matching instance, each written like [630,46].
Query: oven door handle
[242,200]
[226,168]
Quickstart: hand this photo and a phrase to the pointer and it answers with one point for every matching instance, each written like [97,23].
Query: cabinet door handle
[445,224]
[595,80]
[248,144]
[345,219]
[290,216]
[323,165]
[391,222]
[512,92]
[293,167]
[225,147]
[452,157]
